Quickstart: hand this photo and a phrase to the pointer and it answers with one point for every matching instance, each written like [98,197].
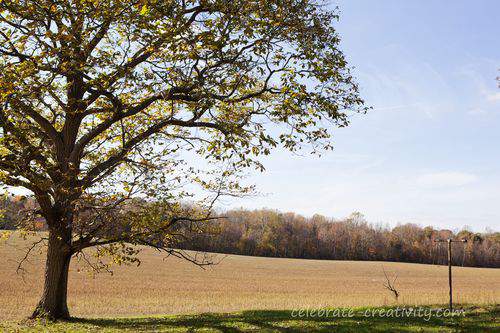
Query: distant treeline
[273,234]
[270,233]
[12,209]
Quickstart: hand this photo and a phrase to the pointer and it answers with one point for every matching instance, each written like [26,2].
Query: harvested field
[173,286]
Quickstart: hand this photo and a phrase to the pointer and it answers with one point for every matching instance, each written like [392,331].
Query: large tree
[107,104]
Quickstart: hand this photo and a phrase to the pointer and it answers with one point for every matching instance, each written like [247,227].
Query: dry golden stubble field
[171,286]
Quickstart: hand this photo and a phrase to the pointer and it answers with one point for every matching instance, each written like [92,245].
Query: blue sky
[428,151]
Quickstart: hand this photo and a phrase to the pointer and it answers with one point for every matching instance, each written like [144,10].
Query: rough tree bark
[53,303]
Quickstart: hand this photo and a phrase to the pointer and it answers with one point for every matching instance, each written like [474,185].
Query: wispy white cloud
[493,97]
[484,93]
[446,179]
[406,85]
[477,112]
[396,107]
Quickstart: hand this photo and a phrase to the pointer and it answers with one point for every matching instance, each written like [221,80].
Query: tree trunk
[53,303]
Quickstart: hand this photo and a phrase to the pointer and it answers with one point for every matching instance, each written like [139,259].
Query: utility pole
[449,241]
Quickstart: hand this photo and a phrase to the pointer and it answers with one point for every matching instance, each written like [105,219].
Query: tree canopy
[104,101]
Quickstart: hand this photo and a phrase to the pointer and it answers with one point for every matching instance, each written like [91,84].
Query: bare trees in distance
[274,234]
[271,233]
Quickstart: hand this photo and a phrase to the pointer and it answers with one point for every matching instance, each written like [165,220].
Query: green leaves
[144,10]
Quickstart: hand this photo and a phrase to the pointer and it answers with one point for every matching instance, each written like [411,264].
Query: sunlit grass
[474,320]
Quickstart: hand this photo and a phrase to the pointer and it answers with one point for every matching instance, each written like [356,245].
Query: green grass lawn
[475,319]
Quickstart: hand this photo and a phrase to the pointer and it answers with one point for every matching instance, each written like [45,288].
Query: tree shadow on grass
[283,321]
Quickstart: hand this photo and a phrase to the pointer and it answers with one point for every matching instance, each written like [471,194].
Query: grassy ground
[238,283]
[475,319]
